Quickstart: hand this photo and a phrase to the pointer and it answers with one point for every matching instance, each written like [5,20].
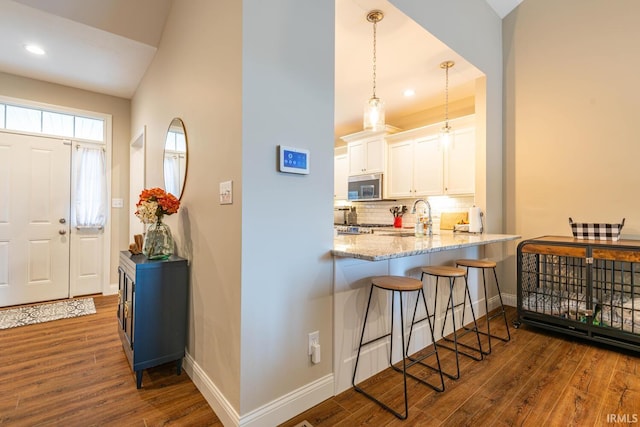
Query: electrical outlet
[314,338]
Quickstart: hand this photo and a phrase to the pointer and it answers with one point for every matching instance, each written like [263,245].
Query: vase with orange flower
[153,205]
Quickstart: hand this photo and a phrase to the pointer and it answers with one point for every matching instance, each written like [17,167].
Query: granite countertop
[376,246]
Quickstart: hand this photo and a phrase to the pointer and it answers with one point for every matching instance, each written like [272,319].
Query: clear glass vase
[158,242]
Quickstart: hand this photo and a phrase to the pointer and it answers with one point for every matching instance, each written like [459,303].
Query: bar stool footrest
[419,361]
[384,405]
[467,330]
[478,358]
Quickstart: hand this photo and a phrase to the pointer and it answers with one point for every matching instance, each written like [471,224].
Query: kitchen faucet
[429,219]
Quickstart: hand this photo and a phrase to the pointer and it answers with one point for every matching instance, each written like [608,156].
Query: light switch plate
[226,192]
[117,203]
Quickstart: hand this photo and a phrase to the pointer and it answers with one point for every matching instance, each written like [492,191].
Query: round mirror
[175,158]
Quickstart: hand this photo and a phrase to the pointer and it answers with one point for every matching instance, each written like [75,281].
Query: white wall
[287,233]
[571,110]
[196,75]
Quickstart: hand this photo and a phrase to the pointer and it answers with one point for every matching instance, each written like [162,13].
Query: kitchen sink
[398,234]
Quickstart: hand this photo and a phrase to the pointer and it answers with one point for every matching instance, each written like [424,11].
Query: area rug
[28,315]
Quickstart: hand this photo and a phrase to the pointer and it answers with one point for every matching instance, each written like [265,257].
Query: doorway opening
[54,184]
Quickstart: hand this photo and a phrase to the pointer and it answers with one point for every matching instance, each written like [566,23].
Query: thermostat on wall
[294,160]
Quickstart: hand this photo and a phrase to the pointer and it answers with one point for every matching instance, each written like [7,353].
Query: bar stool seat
[452,273]
[484,264]
[399,284]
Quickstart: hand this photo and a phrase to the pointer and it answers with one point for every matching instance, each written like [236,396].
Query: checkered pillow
[595,231]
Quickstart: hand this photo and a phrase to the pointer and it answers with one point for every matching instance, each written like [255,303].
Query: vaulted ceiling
[106,46]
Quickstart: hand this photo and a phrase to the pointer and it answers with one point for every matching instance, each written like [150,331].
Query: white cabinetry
[460,163]
[340,177]
[366,151]
[415,168]
[420,166]
[366,156]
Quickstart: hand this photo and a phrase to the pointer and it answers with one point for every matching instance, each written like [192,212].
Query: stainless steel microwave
[365,187]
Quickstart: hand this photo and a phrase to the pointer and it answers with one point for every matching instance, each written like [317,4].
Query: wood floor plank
[621,403]
[481,408]
[540,392]
[576,408]
[595,370]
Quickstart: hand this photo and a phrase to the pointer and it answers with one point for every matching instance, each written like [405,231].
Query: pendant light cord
[375,23]
[446,65]
[446,97]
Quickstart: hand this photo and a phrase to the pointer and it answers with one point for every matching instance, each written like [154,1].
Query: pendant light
[446,136]
[374,108]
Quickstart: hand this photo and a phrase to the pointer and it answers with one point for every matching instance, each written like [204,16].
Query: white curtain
[90,185]
[172,174]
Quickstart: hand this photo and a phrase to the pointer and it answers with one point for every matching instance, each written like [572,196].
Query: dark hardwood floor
[73,372]
[537,379]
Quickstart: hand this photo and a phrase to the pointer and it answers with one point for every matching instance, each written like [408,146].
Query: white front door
[34,218]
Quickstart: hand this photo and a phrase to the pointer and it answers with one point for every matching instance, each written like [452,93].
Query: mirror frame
[175,123]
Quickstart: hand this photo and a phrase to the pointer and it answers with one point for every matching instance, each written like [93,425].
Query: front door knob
[62,232]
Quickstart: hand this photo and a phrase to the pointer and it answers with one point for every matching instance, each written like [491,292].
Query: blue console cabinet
[152,310]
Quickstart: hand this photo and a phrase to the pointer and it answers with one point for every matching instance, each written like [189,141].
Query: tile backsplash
[378,212]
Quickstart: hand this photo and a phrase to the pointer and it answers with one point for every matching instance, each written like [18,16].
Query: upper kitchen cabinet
[366,151]
[419,165]
[460,163]
[415,168]
[340,174]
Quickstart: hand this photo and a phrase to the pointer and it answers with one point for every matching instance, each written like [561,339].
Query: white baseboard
[510,299]
[111,289]
[290,405]
[220,405]
[273,413]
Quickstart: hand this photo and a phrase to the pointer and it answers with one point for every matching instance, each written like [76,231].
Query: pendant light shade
[446,134]
[374,114]
[374,107]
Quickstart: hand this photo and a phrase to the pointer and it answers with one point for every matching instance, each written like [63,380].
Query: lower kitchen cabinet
[152,310]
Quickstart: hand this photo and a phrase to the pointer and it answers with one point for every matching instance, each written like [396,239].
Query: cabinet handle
[120,297]
[126,310]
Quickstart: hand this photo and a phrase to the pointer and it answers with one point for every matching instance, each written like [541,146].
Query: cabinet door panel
[375,156]
[461,160]
[428,166]
[400,174]
[121,294]
[357,153]
[340,180]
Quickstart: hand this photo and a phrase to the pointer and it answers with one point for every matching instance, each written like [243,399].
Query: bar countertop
[382,246]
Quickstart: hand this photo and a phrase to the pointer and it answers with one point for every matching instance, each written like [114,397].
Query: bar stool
[483,265]
[451,273]
[400,285]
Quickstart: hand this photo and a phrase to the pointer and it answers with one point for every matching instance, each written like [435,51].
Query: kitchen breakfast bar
[357,258]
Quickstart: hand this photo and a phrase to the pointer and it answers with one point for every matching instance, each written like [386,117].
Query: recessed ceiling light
[35,49]
[409,92]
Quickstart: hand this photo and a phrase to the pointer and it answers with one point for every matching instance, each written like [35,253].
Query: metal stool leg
[502,311]
[456,344]
[419,360]
[404,364]
[355,370]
